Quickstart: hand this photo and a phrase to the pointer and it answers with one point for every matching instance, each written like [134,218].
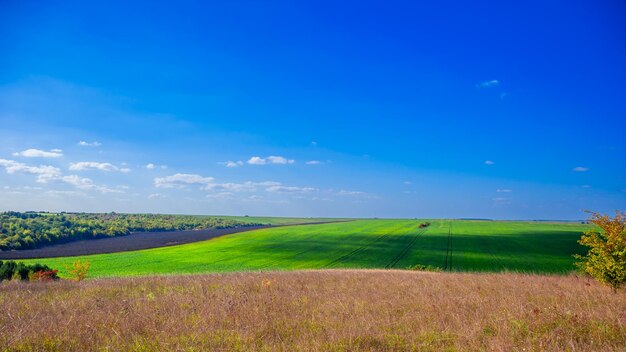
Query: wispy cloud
[504,190]
[343,192]
[38,153]
[57,193]
[208,184]
[272,159]
[151,166]
[488,84]
[87,184]
[501,200]
[156,196]
[182,180]
[232,163]
[581,169]
[92,165]
[247,186]
[489,162]
[89,144]
[290,189]
[313,162]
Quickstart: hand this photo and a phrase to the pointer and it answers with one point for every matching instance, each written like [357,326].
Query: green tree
[606,258]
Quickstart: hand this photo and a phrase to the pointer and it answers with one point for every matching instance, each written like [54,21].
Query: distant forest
[35,229]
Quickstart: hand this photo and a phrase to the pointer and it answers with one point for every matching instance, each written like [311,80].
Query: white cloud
[488,84]
[232,163]
[256,160]
[240,187]
[92,165]
[182,180]
[77,181]
[408,182]
[156,196]
[125,170]
[38,153]
[581,169]
[89,144]
[47,174]
[220,196]
[343,192]
[272,159]
[290,189]
[151,166]
[313,162]
[489,162]
[43,172]
[86,184]
[504,190]
[279,160]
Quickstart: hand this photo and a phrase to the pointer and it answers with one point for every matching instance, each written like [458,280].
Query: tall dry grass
[315,311]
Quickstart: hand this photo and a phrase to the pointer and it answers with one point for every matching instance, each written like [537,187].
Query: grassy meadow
[451,245]
[328,310]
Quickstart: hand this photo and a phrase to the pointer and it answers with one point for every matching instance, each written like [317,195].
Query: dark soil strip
[132,242]
[404,251]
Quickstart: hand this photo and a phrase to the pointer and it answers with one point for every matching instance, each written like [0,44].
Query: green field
[455,245]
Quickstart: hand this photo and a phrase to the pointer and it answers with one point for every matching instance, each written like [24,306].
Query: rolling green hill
[455,245]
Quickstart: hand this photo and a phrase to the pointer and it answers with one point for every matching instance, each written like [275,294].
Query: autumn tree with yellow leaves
[606,258]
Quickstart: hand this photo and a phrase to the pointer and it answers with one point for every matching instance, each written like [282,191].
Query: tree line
[24,230]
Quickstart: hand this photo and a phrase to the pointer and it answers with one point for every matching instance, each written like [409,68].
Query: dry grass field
[333,310]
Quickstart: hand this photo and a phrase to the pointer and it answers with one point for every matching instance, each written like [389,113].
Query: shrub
[11,270]
[606,258]
[22,272]
[422,267]
[7,270]
[45,276]
[78,270]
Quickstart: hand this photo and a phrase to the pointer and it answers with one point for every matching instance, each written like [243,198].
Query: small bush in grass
[606,259]
[78,270]
[422,267]
[44,276]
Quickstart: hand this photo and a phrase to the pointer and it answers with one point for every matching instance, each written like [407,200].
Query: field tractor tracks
[311,249]
[405,250]
[360,249]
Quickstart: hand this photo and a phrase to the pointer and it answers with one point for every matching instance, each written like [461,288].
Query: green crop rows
[455,245]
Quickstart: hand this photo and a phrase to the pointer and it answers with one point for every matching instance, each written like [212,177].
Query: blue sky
[390,109]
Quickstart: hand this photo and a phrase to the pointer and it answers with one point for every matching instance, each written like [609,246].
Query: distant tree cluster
[11,270]
[24,230]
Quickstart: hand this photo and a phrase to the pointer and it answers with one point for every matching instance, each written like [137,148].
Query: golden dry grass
[338,310]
